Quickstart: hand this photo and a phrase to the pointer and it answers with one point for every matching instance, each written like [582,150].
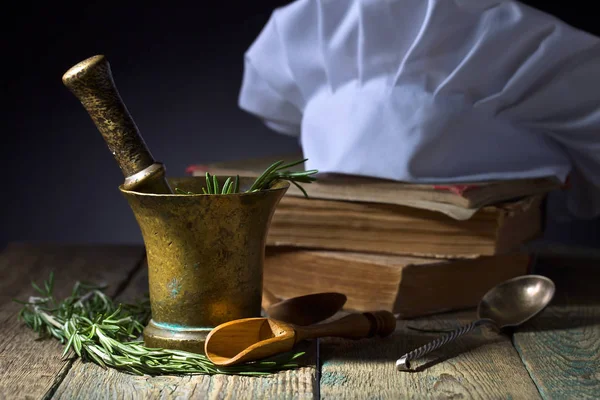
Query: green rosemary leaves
[90,324]
[277,171]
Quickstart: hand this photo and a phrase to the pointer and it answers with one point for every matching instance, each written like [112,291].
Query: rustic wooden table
[556,356]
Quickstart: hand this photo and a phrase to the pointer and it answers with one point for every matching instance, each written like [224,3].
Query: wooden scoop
[252,339]
[303,310]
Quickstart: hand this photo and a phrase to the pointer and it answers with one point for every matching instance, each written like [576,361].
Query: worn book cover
[408,286]
[458,200]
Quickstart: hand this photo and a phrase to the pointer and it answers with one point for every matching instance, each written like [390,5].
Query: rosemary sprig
[91,325]
[276,171]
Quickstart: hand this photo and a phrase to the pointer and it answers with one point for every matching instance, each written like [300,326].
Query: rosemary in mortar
[97,329]
[277,171]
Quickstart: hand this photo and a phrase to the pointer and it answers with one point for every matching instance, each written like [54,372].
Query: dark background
[178,68]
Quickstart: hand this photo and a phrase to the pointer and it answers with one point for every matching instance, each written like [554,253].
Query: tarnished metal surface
[91,81]
[205,252]
[205,258]
[506,305]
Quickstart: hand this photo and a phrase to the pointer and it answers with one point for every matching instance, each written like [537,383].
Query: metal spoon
[303,310]
[509,304]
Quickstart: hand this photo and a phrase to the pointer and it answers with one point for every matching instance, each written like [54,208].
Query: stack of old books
[412,249]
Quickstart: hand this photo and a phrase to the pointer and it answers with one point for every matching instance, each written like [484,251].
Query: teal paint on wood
[333,378]
[482,365]
[561,347]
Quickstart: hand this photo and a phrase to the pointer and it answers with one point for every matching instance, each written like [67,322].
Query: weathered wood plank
[561,347]
[86,380]
[481,365]
[29,368]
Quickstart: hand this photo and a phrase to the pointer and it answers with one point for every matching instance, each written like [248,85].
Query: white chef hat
[432,91]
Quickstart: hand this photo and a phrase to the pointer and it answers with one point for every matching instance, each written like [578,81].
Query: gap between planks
[482,364]
[89,381]
[31,368]
[121,287]
[561,347]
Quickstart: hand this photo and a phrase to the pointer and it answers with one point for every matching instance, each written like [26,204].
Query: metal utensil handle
[403,363]
[91,81]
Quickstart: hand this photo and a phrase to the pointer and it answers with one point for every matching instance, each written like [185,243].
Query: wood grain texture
[89,381]
[30,368]
[481,365]
[561,347]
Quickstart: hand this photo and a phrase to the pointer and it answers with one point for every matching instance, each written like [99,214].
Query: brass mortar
[205,252]
[205,258]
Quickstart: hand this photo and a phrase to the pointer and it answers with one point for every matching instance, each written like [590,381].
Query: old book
[458,200]
[408,286]
[394,229]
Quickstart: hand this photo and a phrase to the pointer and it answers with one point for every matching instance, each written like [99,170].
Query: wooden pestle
[91,81]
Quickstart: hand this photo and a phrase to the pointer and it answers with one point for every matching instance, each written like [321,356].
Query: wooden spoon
[303,310]
[252,339]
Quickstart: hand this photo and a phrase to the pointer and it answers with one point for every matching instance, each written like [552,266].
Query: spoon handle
[353,326]
[403,363]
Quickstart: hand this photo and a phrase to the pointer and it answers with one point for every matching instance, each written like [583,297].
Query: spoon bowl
[248,339]
[517,300]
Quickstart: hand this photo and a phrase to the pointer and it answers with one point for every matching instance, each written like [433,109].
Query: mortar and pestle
[205,252]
